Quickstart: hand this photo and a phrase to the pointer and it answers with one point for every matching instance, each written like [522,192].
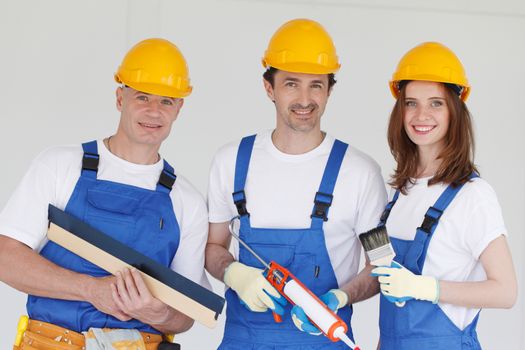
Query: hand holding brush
[398,284]
[380,252]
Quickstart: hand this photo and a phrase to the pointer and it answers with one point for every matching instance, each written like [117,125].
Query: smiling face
[300,100]
[146,119]
[427,116]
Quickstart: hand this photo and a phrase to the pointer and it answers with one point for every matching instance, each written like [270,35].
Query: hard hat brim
[302,67]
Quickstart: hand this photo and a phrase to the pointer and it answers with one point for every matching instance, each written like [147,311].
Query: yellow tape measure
[23,322]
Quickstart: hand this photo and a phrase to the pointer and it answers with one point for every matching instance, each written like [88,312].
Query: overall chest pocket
[114,215]
[302,265]
[281,254]
[112,206]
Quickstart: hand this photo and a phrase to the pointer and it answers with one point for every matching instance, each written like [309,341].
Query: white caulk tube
[324,318]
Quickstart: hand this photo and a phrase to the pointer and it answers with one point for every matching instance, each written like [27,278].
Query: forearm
[24,269]
[484,294]
[176,322]
[362,286]
[499,290]
[218,259]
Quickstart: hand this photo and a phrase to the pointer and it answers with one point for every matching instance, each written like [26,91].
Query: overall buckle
[322,201]
[431,218]
[90,161]
[239,199]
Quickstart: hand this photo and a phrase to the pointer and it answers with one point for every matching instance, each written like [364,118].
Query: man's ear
[119,96]
[269,89]
[179,102]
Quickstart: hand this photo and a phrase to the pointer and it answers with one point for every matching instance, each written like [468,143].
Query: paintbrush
[377,246]
[379,249]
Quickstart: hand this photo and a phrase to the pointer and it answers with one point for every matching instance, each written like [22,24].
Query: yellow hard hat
[155,66]
[431,61]
[302,46]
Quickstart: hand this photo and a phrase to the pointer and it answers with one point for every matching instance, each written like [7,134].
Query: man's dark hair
[270,73]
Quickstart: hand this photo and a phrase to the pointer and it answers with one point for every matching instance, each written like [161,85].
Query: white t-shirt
[471,221]
[280,191]
[52,177]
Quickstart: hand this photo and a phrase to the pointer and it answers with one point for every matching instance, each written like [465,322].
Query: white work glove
[334,299]
[399,284]
[255,292]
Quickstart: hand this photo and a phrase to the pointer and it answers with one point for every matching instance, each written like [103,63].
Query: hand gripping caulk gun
[298,294]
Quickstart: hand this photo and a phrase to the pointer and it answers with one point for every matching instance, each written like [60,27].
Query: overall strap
[167,178]
[416,254]
[471,328]
[90,160]
[323,198]
[388,209]
[242,163]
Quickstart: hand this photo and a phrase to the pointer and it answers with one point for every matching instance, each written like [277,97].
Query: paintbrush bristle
[377,246]
[375,238]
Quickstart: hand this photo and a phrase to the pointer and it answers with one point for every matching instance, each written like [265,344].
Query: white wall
[57,58]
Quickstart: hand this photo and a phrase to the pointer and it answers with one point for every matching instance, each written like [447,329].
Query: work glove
[255,292]
[399,284]
[334,299]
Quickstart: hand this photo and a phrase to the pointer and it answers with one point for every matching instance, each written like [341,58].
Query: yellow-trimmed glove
[255,292]
[399,284]
[334,299]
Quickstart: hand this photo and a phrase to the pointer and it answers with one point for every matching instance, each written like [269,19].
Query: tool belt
[38,335]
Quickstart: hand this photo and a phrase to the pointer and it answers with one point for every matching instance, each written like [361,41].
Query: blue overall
[143,219]
[302,251]
[421,324]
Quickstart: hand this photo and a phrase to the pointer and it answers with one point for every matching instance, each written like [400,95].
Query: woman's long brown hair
[457,157]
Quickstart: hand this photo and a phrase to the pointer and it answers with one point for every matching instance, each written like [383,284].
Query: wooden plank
[112,264]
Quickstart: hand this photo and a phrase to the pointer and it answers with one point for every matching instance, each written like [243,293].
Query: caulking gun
[298,294]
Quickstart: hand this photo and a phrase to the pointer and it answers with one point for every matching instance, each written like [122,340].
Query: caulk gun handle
[277,275]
